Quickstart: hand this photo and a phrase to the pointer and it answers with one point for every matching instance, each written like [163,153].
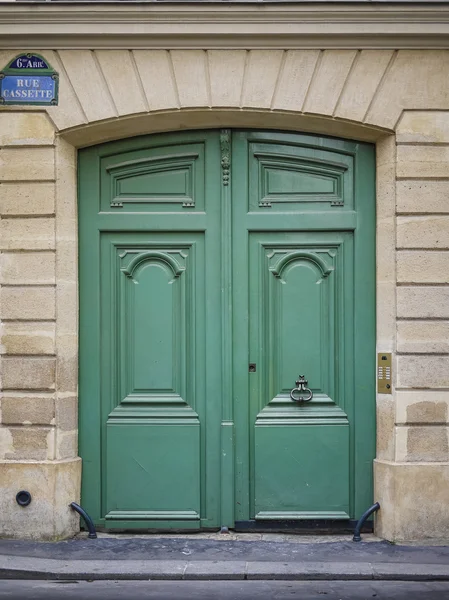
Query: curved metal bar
[90,524]
[357,537]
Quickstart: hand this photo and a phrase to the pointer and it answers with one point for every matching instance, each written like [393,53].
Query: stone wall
[413,450]
[396,99]
[38,436]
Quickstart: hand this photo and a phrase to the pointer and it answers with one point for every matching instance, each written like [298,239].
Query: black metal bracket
[357,537]
[89,523]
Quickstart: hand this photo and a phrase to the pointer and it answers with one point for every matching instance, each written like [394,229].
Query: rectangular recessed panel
[298,313]
[166,179]
[153,468]
[155,322]
[302,469]
[289,179]
[298,310]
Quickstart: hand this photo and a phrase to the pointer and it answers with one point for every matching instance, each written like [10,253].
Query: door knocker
[301,393]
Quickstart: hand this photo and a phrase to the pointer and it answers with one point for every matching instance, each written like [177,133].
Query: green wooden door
[214,269]
[303,224]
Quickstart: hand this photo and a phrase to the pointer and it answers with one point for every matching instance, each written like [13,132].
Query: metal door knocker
[301,393]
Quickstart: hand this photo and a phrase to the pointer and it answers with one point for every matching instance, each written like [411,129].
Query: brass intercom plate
[384,374]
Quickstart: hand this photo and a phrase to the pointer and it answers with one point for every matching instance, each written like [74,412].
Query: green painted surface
[186,277]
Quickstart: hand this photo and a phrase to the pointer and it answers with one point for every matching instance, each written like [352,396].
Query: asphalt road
[223,590]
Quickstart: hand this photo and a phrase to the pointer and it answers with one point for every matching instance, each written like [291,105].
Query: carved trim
[282,263]
[158,256]
[225,146]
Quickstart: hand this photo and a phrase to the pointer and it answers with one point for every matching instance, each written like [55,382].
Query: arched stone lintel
[189,119]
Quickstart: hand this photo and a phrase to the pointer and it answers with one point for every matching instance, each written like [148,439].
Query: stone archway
[111,94]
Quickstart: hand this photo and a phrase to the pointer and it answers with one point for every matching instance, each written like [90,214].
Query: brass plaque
[384,374]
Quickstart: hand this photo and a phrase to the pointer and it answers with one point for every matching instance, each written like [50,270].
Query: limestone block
[294,79]
[25,337]
[423,336]
[26,129]
[423,302]
[25,164]
[67,259]
[53,486]
[88,84]
[422,266]
[422,406]
[386,315]
[226,69]
[67,308]
[155,65]
[67,445]
[386,190]
[30,443]
[262,71]
[28,268]
[422,196]
[67,364]
[27,234]
[26,373]
[68,112]
[28,409]
[385,249]
[362,84]
[422,443]
[422,161]
[413,499]
[422,371]
[429,127]
[6,442]
[385,494]
[27,199]
[423,232]
[66,413]
[385,436]
[328,82]
[386,151]
[190,69]
[416,79]
[66,190]
[28,302]
[121,78]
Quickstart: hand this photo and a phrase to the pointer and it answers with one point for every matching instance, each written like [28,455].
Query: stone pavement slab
[223,558]
[48,569]
[225,548]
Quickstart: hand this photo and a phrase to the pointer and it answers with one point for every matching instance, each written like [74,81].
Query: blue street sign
[29,79]
[23,89]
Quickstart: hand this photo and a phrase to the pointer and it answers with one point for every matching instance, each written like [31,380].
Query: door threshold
[302,526]
[305,527]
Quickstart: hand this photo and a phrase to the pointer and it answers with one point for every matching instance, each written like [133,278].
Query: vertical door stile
[227,423]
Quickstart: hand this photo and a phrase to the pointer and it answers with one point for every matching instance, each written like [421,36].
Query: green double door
[216,267]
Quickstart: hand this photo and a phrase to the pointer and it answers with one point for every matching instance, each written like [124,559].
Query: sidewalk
[222,557]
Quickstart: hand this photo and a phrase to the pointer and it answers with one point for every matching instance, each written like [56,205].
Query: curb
[12,567]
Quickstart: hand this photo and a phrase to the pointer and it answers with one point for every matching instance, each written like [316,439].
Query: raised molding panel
[154,328]
[162,180]
[281,181]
